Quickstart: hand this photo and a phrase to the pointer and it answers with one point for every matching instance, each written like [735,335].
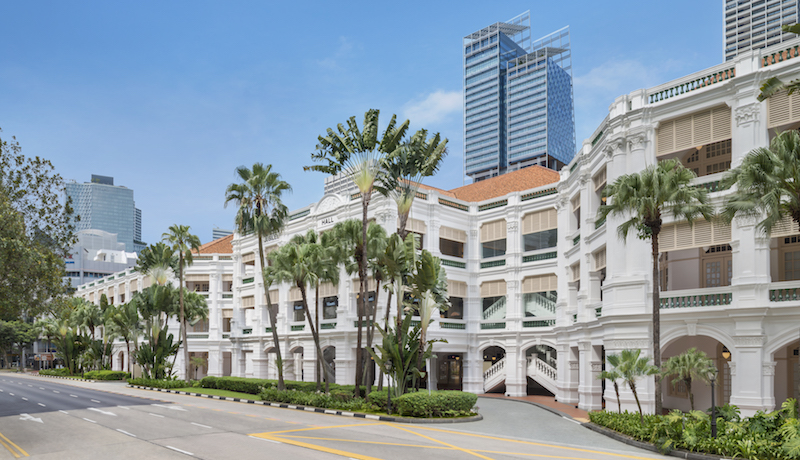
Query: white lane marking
[180,450]
[94,400]
[56,391]
[24,399]
[12,394]
[268,440]
[30,386]
[156,415]
[204,426]
[102,411]
[123,407]
[64,412]
[125,432]
[90,421]
[42,405]
[30,418]
[172,407]
[570,420]
[73,396]
[41,388]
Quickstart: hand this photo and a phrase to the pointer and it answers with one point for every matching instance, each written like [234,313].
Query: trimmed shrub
[107,375]
[167,384]
[340,400]
[437,404]
[63,372]
[254,386]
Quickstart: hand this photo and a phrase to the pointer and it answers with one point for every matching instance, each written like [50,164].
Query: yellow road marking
[366,442]
[269,433]
[16,455]
[467,451]
[5,440]
[319,448]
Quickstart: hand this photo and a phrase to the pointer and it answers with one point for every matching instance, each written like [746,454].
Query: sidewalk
[548,402]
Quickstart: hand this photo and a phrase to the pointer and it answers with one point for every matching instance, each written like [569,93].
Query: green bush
[254,386]
[436,404]
[168,384]
[63,372]
[337,399]
[106,375]
[774,435]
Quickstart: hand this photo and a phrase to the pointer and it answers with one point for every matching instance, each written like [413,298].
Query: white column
[751,377]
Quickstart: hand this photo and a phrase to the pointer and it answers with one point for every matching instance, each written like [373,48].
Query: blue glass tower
[518,108]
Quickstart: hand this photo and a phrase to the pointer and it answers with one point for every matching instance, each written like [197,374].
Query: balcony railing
[539,323]
[446,325]
[497,325]
[453,263]
[690,83]
[248,280]
[493,263]
[538,257]
[690,298]
[784,291]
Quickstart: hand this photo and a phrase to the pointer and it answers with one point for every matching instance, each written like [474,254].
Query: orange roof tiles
[516,181]
[220,246]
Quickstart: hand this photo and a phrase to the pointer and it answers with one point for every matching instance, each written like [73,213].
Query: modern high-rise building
[217,233]
[103,206]
[753,24]
[518,108]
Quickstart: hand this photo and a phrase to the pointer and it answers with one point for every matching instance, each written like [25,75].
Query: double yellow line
[8,444]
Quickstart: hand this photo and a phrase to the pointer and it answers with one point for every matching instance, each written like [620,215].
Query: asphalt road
[46,418]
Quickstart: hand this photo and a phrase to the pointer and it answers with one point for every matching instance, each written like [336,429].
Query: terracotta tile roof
[220,246]
[443,192]
[516,181]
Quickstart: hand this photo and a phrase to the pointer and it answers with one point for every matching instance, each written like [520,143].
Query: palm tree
[774,84]
[690,365]
[767,183]
[125,320]
[261,211]
[631,367]
[406,167]
[357,153]
[156,261]
[613,375]
[646,197]
[183,243]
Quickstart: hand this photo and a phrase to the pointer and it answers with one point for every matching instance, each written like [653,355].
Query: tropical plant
[158,261]
[154,355]
[397,353]
[356,153]
[612,375]
[631,367]
[774,84]
[183,243]
[261,210]
[125,321]
[88,315]
[664,189]
[688,366]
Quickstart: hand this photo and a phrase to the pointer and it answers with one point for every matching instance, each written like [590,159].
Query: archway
[676,395]
[493,369]
[786,378]
[329,356]
[121,361]
[293,366]
[547,359]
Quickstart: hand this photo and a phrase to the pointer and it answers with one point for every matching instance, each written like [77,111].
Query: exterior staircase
[496,311]
[494,376]
[543,373]
[541,305]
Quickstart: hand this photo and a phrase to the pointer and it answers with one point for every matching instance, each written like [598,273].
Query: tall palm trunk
[619,403]
[656,319]
[184,336]
[636,396]
[371,313]
[273,317]
[362,280]
[314,331]
[691,396]
[318,367]
[128,346]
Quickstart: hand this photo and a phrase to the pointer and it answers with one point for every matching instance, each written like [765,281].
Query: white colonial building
[542,290]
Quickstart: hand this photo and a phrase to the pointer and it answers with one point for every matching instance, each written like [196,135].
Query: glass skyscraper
[518,108]
[103,206]
[752,24]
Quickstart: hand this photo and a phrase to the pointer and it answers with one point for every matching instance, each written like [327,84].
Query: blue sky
[170,97]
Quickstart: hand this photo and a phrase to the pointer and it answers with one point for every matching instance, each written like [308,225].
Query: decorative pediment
[328,203]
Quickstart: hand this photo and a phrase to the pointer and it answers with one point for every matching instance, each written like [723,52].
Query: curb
[540,406]
[380,418]
[679,453]
[63,378]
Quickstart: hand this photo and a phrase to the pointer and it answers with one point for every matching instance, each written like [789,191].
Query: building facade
[518,105]
[542,289]
[103,206]
[754,24]
[96,255]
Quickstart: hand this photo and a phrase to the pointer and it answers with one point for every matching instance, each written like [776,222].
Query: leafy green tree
[125,321]
[767,183]
[261,210]
[36,232]
[687,367]
[612,375]
[6,342]
[24,335]
[183,243]
[70,343]
[631,368]
[356,153]
[644,198]
[88,315]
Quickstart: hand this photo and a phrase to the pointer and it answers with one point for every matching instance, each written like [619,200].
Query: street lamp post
[712,377]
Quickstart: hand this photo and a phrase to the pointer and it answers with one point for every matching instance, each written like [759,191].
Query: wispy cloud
[344,50]
[434,108]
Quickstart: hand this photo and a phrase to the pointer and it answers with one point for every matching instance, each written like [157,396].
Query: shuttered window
[274,296]
[249,258]
[576,203]
[539,221]
[452,234]
[196,278]
[134,285]
[414,225]
[227,277]
[599,258]
[599,180]
[576,271]
[328,290]
[371,285]
[783,109]
[492,231]
[693,130]
[227,313]
[295,295]
[493,288]
[785,227]
[703,233]
[147,281]
[540,283]
[456,289]
[248,302]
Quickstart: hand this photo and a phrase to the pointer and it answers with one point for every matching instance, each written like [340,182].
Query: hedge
[167,384]
[254,386]
[337,399]
[62,372]
[107,375]
[436,404]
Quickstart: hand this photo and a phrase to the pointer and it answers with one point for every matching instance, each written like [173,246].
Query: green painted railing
[532,195]
[692,85]
[247,331]
[92,284]
[784,295]
[539,323]
[496,204]
[203,258]
[100,281]
[493,263]
[189,335]
[453,204]
[772,59]
[109,278]
[299,215]
[268,330]
[327,326]
[598,312]
[226,336]
[298,327]
[227,296]
[444,325]
[538,257]
[248,280]
[597,138]
[697,300]
[225,258]
[453,263]
[576,240]
[599,223]
[493,325]
[712,186]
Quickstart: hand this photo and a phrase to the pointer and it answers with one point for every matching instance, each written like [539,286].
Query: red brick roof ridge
[219,246]
[516,181]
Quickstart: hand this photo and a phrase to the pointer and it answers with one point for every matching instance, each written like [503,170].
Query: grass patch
[215,392]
